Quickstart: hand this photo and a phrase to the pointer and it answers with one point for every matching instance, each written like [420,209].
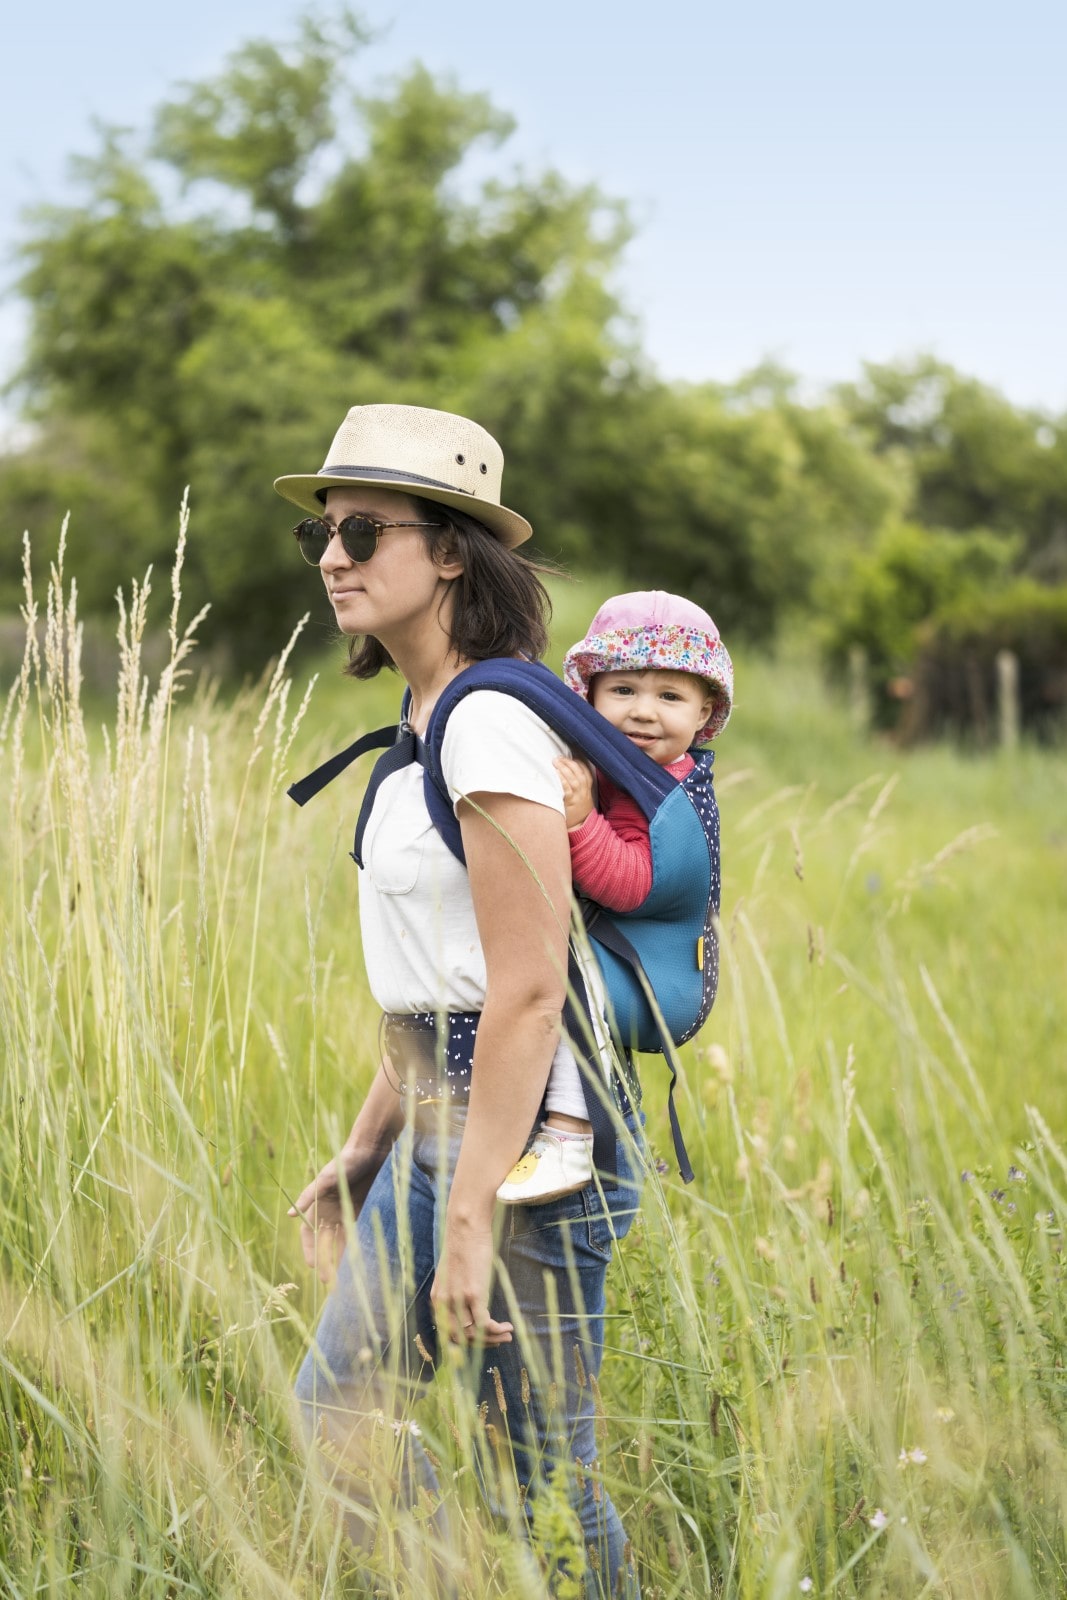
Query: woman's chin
[346,611]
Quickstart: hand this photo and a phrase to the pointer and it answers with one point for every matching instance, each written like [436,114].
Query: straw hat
[433,454]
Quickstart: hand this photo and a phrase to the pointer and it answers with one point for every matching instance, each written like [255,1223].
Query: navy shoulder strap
[400,746]
[584,729]
[306,789]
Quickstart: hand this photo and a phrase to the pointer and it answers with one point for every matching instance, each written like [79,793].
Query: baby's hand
[577,780]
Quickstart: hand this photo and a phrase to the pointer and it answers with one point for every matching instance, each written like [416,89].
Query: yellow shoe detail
[524,1168]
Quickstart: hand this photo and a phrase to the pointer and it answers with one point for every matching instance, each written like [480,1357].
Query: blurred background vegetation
[278,246]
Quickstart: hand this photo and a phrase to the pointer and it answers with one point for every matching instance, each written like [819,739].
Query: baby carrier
[659,963]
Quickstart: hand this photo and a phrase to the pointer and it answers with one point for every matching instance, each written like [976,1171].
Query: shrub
[888,595]
[955,676]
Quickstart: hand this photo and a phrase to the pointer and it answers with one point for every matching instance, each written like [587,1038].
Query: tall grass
[835,1361]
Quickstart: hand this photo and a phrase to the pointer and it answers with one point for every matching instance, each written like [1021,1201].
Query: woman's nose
[335,555]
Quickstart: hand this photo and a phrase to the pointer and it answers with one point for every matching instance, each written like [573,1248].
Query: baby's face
[660,711]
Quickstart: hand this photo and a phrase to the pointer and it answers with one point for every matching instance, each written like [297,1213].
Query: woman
[417,555]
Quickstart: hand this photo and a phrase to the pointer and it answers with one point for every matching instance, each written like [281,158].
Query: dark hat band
[396,477]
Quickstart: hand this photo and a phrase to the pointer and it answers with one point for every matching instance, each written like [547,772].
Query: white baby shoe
[554,1165]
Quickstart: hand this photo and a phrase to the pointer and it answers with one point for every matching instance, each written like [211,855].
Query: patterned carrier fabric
[698,786]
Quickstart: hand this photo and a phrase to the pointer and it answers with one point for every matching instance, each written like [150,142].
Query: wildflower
[916,1457]
[1016,1175]
[806,1585]
[944,1414]
[879,1520]
[996,1195]
[966,1177]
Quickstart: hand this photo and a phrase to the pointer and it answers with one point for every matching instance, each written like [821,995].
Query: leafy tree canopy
[284,244]
[975,460]
[289,239]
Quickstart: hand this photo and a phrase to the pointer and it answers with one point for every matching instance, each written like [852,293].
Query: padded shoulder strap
[565,712]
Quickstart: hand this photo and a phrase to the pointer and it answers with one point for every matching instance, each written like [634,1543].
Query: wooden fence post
[1008,709]
[859,690]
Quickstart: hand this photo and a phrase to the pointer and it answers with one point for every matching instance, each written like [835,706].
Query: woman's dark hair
[501,608]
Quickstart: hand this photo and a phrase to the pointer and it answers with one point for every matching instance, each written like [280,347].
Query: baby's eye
[670,694]
[621,688]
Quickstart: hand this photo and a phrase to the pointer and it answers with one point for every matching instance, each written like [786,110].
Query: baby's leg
[567,1124]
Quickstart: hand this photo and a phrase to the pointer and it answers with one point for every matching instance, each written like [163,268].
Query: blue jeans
[533,1402]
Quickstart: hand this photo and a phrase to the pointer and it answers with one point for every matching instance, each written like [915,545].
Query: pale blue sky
[820,182]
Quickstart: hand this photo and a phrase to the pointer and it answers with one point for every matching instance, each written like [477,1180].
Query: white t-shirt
[420,937]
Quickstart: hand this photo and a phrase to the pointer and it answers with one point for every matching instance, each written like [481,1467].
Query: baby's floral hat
[651,629]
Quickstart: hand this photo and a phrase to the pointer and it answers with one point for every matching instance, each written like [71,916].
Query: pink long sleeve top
[611,858]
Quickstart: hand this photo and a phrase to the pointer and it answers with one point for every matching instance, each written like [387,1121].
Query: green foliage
[286,244]
[987,504]
[744,505]
[325,254]
[883,599]
[975,460]
[76,468]
[286,241]
[956,667]
[1008,617]
[931,610]
[257,127]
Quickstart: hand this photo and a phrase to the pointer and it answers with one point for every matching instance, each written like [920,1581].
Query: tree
[284,244]
[280,248]
[976,461]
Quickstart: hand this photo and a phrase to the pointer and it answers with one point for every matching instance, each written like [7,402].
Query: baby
[653,664]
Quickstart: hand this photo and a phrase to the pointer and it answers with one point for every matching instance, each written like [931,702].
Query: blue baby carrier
[660,962]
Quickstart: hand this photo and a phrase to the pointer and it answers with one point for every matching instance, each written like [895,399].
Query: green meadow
[835,1361]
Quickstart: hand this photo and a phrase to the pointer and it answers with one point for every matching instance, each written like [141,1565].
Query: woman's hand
[577,779]
[320,1206]
[460,1293]
[362,1156]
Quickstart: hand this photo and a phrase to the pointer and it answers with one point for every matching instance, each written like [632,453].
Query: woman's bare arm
[519,868]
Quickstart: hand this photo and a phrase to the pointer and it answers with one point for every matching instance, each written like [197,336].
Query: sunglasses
[359,535]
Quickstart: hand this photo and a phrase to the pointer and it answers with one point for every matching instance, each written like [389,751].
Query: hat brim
[308,491]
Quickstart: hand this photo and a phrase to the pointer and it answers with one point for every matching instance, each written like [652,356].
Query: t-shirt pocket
[394,848]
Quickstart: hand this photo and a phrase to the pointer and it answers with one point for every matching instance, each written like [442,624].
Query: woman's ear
[446,558]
